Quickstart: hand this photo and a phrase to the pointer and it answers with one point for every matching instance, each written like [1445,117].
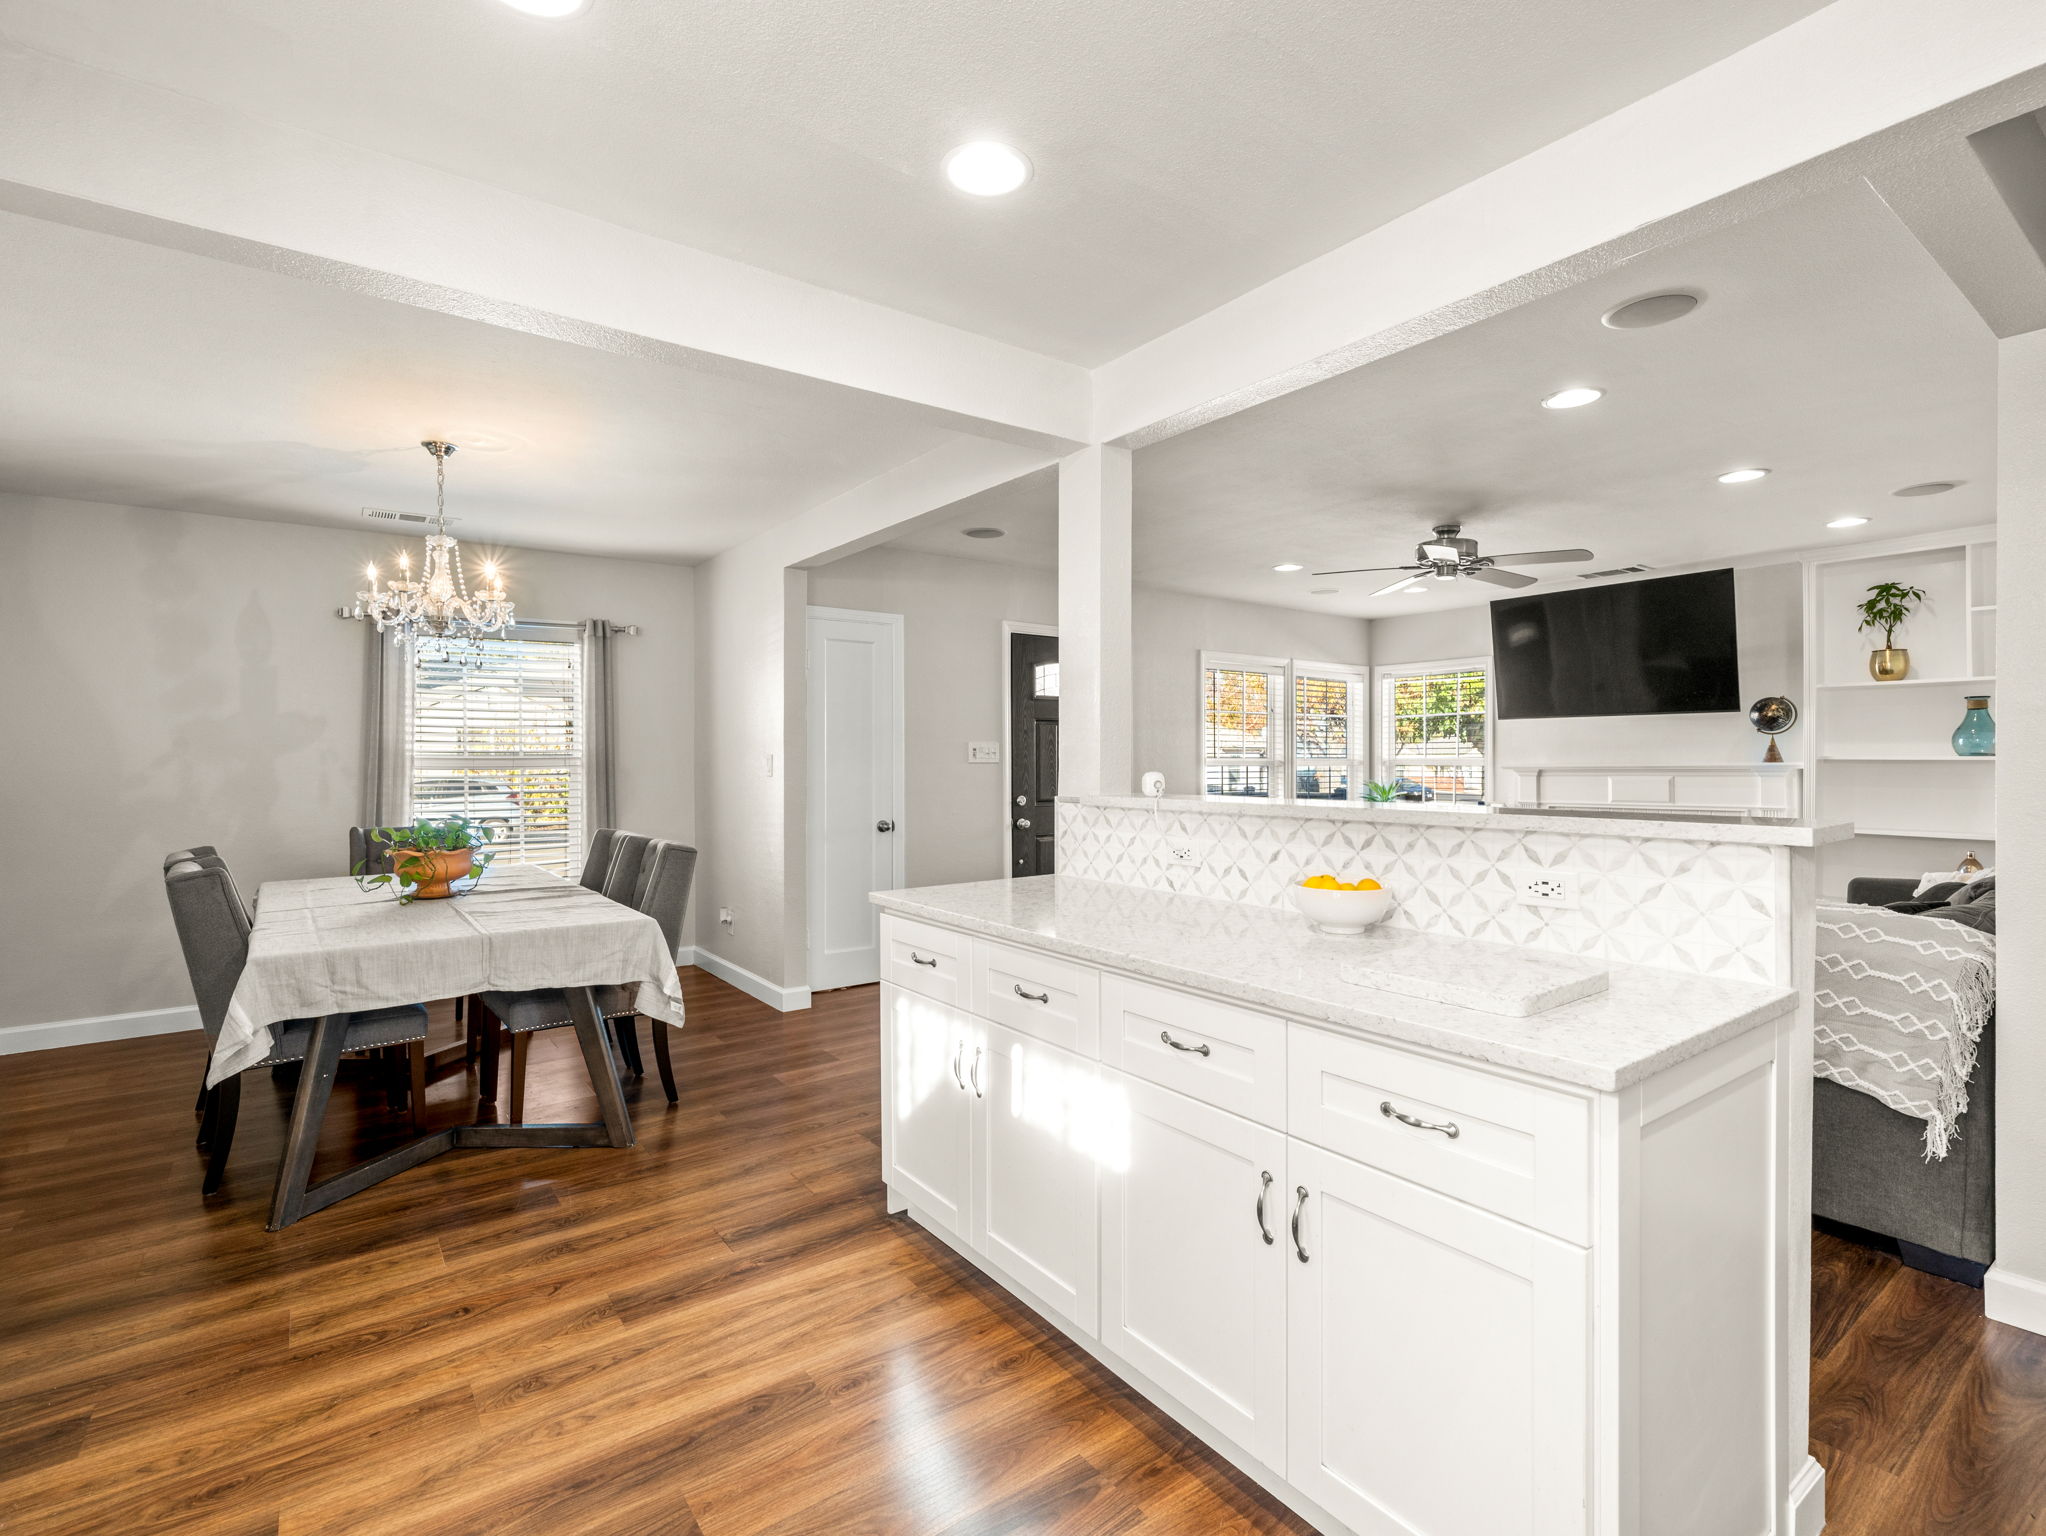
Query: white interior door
[855,788]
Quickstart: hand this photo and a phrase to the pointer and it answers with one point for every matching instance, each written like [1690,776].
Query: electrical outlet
[1544,887]
[727,916]
[1184,853]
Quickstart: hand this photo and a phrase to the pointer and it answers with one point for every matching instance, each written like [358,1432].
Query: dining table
[324,949]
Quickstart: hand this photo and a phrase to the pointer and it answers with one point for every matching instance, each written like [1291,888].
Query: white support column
[1094,622]
[2014,1291]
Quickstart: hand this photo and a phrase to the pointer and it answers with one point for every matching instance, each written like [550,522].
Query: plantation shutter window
[1243,705]
[1329,733]
[1433,731]
[500,731]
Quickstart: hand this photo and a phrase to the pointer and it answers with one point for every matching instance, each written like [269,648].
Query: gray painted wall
[209,695]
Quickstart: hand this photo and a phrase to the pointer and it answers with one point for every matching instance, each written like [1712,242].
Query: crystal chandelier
[438,605]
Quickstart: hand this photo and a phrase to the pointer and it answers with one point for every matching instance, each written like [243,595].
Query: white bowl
[1341,911]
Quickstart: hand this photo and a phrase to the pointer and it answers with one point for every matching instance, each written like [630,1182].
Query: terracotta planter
[433,868]
[1890,664]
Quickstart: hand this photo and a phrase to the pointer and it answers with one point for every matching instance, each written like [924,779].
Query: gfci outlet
[1184,853]
[1544,888]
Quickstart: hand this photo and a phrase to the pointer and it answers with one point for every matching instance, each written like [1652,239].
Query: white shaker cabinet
[927,1106]
[1438,1358]
[1194,1261]
[1037,1123]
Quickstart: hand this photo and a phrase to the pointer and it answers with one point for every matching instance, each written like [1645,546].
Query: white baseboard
[15,1038]
[1806,1515]
[2019,1300]
[783,999]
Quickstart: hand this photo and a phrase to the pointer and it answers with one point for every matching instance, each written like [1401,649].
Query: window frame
[1383,762]
[418,765]
[1280,755]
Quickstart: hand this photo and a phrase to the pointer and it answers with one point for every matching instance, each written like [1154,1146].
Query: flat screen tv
[1661,647]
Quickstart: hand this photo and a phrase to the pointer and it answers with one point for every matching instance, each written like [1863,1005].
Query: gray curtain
[384,798]
[600,794]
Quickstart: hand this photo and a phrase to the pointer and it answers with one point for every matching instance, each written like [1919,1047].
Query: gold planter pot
[1890,664]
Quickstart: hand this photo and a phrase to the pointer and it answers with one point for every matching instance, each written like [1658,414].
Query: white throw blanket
[1901,1002]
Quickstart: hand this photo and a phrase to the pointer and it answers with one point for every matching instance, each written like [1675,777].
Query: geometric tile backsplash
[1708,908]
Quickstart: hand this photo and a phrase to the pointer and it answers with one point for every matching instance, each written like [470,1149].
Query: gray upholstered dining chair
[597,862]
[663,894]
[367,856]
[213,930]
[621,875]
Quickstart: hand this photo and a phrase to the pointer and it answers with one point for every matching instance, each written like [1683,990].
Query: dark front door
[1033,752]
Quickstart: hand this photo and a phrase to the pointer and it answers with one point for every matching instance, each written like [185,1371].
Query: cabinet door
[927,1114]
[1437,1360]
[1193,1271]
[1041,1131]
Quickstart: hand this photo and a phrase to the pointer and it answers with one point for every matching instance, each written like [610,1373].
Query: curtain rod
[616,627]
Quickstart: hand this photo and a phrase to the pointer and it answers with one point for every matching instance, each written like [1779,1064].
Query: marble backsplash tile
[1708,908]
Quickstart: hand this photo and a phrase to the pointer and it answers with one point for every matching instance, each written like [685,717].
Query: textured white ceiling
[1186,150]
[152,378]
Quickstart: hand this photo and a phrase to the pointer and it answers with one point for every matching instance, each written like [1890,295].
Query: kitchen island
[1413,1265]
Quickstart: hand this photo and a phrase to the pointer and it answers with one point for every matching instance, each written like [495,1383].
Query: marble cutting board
[1503,979]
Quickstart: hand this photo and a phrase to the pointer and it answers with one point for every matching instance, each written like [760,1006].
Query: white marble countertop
[1645,1021]
[1682,829]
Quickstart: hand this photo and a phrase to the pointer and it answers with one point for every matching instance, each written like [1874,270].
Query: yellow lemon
[1322,883]
[1367,885]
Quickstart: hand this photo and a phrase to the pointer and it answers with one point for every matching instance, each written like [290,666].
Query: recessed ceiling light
[1570,399]
[1741,476]
[984,533]
[1847,522]
[1653,309]
[1289,566]
[986,169]
[1928,488]
[548,8]
[1321,591]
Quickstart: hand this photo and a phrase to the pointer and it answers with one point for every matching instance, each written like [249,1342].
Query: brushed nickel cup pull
[1198,1050]
[976,1074]
[1264,1189]
[1447,1128]
[1299,1205]
[958,1051]
[917,959]
[1033,997]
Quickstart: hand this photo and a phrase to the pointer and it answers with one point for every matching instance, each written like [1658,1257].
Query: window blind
[1433,733]
[497,731]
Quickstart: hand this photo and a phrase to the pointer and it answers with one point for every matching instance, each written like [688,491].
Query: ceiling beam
[1824,100]
[84,147]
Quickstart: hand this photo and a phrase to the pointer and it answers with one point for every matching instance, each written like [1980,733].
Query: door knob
[884,826]
[1022,821]
[1022,799]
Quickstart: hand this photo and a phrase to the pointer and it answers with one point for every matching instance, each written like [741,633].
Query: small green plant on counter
[1888,605]
[1381,793]
[408,871]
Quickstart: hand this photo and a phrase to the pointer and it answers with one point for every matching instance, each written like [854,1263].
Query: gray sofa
[1868,1162]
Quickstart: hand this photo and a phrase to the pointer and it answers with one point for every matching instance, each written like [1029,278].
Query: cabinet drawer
[1519,1150]
[1212,1051]
[933,961]
[1052,999]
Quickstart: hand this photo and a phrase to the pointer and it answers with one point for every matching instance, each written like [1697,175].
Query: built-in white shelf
[1901,757]
[1914,682]
[1948,837]
[1982,607]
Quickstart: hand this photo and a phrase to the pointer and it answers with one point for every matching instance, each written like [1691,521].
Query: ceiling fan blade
[1399,586]
[1542,557]
[1501,578]
[1365,570]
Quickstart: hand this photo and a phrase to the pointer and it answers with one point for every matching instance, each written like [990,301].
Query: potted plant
[1381,793]
[428,857]
[1888,605]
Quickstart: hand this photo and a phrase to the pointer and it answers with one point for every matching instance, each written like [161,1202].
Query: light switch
[983,751]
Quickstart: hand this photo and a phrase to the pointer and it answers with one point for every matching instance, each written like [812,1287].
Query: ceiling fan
[1447,556]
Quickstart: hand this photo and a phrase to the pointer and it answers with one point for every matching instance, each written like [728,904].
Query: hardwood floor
[718,1333]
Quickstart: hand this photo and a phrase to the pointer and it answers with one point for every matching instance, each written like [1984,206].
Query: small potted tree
[1887,606]
[428,857]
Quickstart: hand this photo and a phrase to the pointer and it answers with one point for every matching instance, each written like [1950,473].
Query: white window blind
[497,732]
[1273,729]
[1432,736]
[1243,705]
[1329,733]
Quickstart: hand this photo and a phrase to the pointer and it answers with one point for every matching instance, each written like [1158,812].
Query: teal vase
[1975,736]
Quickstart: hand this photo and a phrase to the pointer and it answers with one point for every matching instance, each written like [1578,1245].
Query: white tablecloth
[328,946]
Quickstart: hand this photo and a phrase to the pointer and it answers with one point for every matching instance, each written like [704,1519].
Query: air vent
[1618,570]
[386,515]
